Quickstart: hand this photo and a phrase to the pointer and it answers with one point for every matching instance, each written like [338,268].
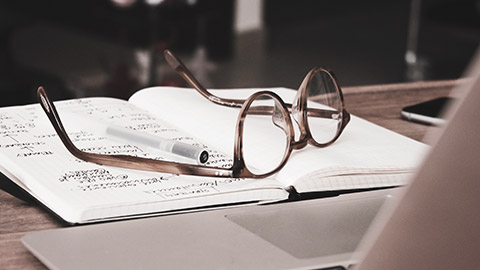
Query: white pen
[171,146]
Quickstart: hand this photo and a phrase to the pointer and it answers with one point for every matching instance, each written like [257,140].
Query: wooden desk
[380,104]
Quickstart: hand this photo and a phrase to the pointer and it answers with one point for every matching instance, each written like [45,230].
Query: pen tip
[204,157]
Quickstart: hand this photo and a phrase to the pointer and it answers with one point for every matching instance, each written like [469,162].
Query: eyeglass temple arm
[124,161]
[183,71]
[267,110]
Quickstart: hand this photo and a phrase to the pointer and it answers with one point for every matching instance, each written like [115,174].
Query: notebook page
[211,123]
[366,155]
[32,152]
[363,149]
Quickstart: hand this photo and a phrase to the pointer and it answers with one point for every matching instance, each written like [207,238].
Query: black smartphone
[428,112]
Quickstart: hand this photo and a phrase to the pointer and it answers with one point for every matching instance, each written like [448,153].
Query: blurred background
[115,47]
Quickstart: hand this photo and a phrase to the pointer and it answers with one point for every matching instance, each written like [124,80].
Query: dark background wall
[93,47]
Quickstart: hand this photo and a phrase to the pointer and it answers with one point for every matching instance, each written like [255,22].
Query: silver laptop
[429,220]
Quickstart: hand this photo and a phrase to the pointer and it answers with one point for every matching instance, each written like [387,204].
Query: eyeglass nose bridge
[300,144]
[278,117]
[297,109]
[298,115]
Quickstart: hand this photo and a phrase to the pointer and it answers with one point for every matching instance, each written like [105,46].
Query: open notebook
[32,156]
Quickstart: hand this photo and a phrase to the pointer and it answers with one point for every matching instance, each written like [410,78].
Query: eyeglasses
[264,120]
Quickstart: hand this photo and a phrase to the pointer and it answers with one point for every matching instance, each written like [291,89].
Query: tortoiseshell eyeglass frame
[280,112]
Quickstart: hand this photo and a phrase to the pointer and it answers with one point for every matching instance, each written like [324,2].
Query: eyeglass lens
[323,94]
[265,136]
